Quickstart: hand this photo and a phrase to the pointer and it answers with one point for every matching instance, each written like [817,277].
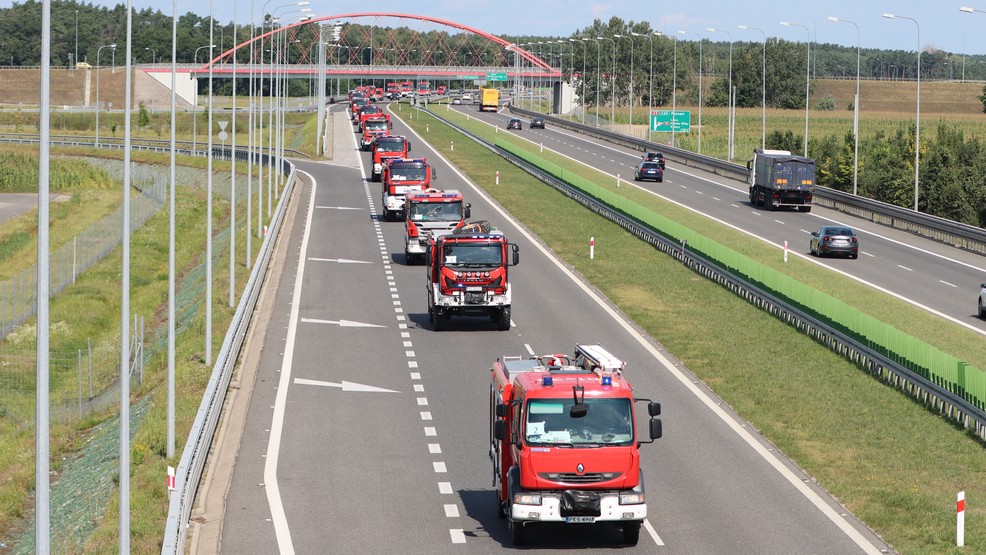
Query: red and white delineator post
[960,520]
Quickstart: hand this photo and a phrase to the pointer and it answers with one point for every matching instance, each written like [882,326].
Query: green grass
[894,464]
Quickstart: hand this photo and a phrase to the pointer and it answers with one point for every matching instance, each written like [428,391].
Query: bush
[826,104]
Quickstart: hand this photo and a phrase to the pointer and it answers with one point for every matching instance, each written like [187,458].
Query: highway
[933,276]
[365,430]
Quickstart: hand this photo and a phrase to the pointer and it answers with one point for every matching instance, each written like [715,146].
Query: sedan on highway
[648,170]
[834,240]
[537,123]
[515,123]
[655,156]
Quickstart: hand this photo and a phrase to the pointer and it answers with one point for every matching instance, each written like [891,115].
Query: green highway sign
[679,121]
[491,76]
[468,77]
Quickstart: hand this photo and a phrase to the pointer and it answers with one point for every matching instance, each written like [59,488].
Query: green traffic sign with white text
[496,76]
[679,121]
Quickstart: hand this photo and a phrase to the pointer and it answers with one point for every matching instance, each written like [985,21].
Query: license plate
[580,519]
[474,288]
[841,242]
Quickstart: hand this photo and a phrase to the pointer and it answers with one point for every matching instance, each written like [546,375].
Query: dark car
[648,170]
[654,157]
[514,123]
[537,122]
[834,239]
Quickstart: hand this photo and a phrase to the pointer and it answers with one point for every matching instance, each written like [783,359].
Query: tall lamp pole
[855,107]
[153,55]
[598,73]
[699,86]
[98,50]
[76,36]
[730,146]
[650,78]
[807,76]
[630,96]
[612,88]
[195,116]
[917,130]
[763,89]
[585,53]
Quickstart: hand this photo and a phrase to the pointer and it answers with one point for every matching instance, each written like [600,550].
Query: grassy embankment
[893,464]
[91,309]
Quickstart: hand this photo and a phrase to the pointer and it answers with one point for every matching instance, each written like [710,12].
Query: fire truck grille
[573,478]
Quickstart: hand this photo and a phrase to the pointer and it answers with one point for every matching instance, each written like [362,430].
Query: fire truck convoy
[564,442]
[401,176]
[467,274]
[428,214]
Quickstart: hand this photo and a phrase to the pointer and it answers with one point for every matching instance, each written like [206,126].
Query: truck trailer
[779,178]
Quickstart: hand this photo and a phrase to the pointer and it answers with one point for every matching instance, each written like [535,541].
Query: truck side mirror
[654,409]
[749,165]
[516,252]
[655,428]
[501,410]
[468,210]
[434,173]
[500,430]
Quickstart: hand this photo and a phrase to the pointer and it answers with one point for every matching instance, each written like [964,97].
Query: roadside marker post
[960,520]
[592,247]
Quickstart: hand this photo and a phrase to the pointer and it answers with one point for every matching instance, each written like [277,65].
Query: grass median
[894,464]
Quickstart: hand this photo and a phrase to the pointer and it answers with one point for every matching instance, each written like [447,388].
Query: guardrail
[951,404]
[959,235]
[188,475]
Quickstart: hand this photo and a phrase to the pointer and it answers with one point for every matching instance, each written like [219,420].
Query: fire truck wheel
[518,534]
[501,507]
[504,322]
[631,533]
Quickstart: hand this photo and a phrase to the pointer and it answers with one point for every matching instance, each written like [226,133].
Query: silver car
[834,239]
[982,300]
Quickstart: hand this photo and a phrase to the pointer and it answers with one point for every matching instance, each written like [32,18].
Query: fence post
[78,365]
[89,357]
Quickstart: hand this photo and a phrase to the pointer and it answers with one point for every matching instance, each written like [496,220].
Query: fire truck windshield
[375,125]
[413,173]
[435,211]
[549,422]
[473,254]
[390,146]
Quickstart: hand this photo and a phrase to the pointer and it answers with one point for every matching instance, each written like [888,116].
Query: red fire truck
[401,176]
[407,88]
[373,127]
[564,442]
[467,274]
[392,88]
[428,214]
[385,148]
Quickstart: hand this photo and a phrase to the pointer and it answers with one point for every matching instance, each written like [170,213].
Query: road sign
[223,136]
[222,123]
[679,121]
[492,76]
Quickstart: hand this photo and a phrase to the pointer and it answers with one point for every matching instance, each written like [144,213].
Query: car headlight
[527,498]
[631,498]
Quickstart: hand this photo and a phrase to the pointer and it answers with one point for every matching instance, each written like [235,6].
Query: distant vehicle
[83,65]
[424,88]
[537,123]
[655,156]
[489,99]
[466,97]
[515,123]
[779,178]
[982,300]
[457,101]
[442,89]
[836,239]
[648,170]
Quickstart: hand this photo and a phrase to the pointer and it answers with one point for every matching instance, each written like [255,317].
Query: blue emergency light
[607,380]
[547,380]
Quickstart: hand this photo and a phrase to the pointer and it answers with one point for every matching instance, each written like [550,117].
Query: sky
[942,25]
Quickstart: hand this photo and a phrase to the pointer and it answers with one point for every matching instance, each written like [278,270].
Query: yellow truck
[489,99]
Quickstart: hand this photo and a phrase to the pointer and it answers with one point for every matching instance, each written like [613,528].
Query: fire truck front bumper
[559,507]
[471,302]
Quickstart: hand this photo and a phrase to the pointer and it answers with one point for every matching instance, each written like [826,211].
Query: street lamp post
[699,86]
[630,96]
[855,108]
[763,89]
[585,53]
[674,89]
[112,47]
[153,55]
[612,87]
[917,130]
[195,115]
[650,79]
[807,76]
[730,146]
[76,37]
[598,73]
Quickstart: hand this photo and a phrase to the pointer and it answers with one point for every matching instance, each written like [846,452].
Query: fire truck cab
[376,126]
[386,148]
[467,274]
[428,214]
[564,442]
[402,176]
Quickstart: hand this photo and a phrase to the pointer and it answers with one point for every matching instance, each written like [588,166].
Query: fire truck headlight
[527,498]
[631,498]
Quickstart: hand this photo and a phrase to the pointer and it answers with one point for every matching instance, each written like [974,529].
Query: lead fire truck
[564,442]
[467,274]
[428,214]
[401,176]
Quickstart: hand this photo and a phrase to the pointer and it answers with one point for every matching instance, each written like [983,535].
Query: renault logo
[580,468]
